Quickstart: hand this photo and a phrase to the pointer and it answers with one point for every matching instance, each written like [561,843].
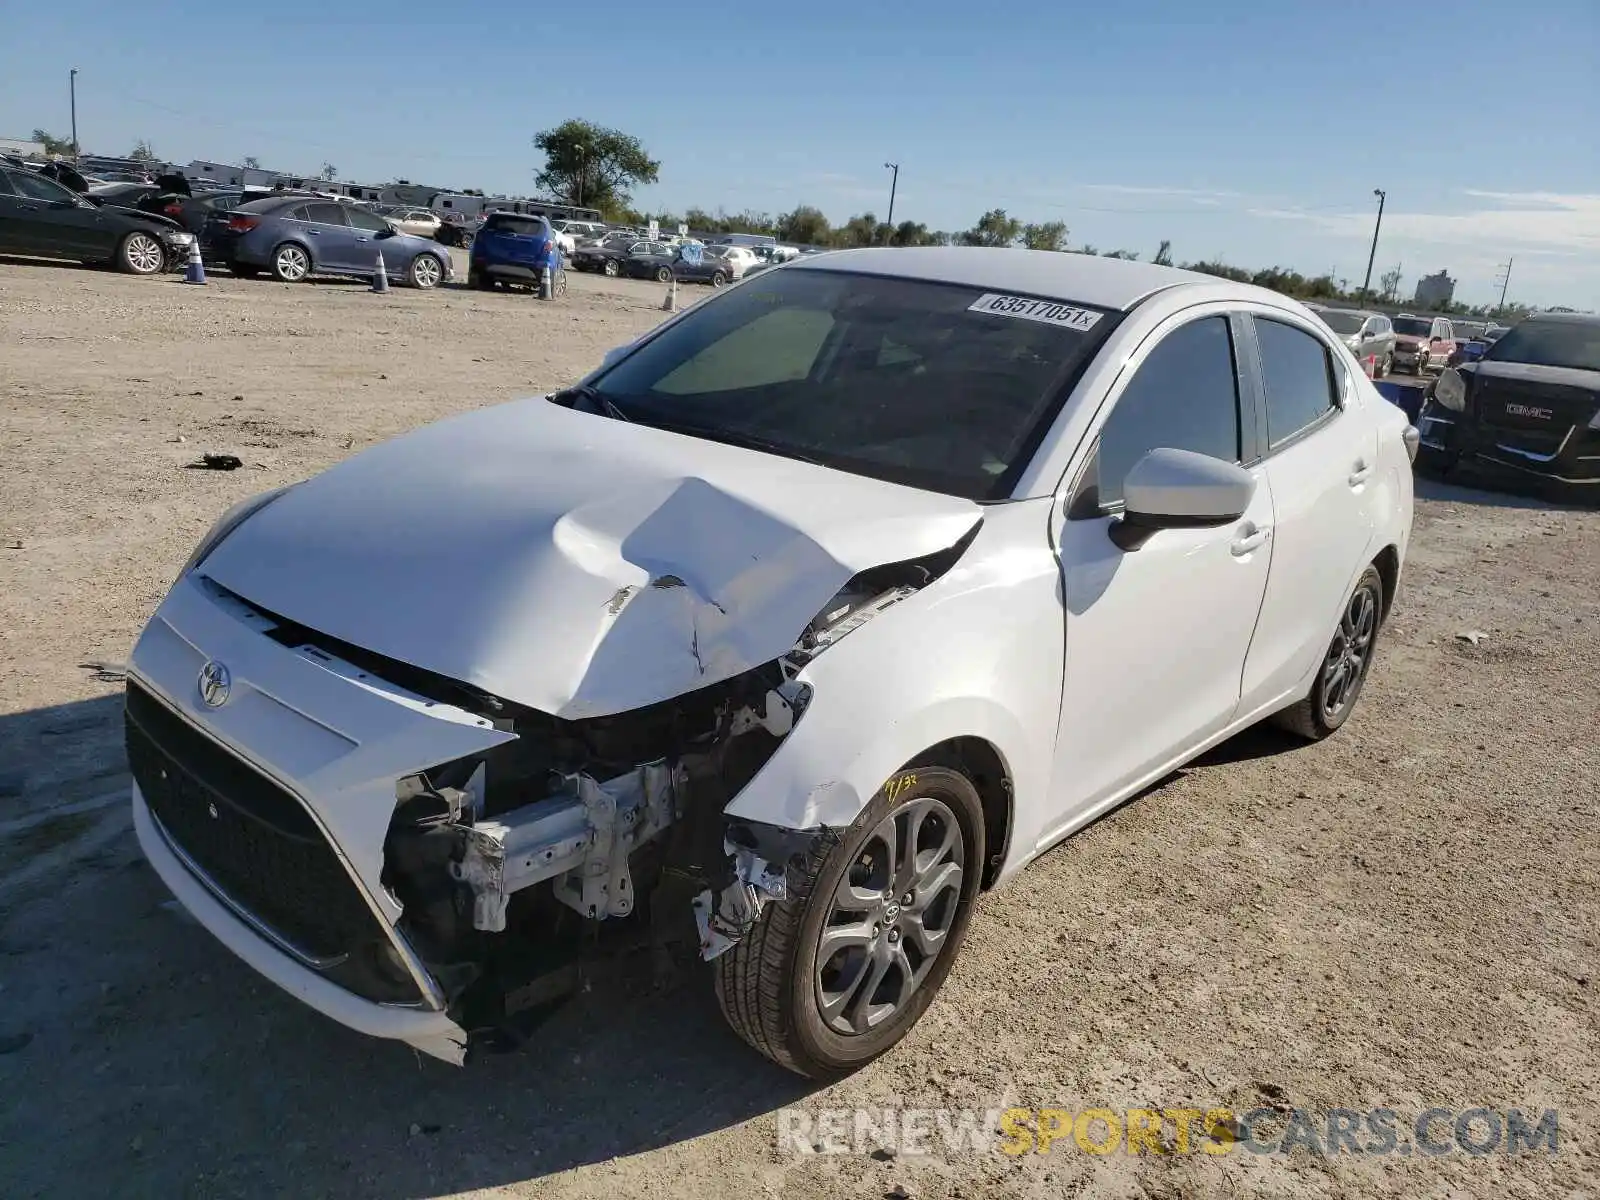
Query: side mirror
[388,232]
[1179,489]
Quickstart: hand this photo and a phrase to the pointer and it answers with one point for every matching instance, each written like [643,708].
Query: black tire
[611,269]
[770,983]
[1315,717]
[244,270]
[141,253]
[282,256]
[718,279]
[663,274]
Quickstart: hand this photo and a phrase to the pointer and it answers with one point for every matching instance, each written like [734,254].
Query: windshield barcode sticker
[1051,312]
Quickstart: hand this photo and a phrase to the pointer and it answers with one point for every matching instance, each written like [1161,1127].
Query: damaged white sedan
[830,602]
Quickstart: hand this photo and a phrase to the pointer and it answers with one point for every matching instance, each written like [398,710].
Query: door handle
[30,207]
[1253,538]
[313,233]
[1359,473]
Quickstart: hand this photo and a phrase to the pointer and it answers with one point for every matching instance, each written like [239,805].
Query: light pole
[1505,282]
[72,86]
[894,182]
[1366,285]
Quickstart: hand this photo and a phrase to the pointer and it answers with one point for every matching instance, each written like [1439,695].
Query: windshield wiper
[598,398]
[731,437]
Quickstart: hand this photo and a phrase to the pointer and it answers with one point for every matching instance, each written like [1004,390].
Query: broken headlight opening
[521,869]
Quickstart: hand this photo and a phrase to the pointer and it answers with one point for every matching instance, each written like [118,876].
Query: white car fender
[978,653]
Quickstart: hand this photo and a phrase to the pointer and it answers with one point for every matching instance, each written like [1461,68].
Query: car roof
[1081,278]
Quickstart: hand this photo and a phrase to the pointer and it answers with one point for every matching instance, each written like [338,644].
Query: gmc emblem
[1529,410]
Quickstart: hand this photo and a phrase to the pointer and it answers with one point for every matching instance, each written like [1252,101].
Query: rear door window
[326,214]
[1297,373]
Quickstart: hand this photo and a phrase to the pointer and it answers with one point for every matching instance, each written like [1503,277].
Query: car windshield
[943,387]
[1413,326]
[1342,322]
[1550,344]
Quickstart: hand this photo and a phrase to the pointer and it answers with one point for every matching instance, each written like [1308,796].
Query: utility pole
[894,183]
[72,85]
[1505,282]
[1366,286]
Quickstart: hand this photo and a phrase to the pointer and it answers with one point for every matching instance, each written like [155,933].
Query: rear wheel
[838,971]
[1345,664]
[140,254]
[290,263]
[663,274]
[612,268]
[718,279]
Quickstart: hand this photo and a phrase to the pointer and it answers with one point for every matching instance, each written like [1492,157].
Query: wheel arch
[1388,564]
[980,761]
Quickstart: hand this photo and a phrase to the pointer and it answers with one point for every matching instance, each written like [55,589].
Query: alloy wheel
[890,916]
[425,271]
[292,263]
[1350,653]
[144,254]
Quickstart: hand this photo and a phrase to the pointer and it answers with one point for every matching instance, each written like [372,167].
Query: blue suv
[297,236]
[513,248]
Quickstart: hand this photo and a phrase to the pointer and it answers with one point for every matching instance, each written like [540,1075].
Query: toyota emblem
[215,684]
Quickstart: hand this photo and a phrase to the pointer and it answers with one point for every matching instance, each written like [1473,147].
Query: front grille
[255,842]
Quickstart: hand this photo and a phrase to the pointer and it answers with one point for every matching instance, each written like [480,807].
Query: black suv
[1530,406]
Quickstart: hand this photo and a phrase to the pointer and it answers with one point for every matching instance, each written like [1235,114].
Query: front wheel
[425,271]
[140,254]
[838,971]
[718,279]
[1345,664]
[612,269]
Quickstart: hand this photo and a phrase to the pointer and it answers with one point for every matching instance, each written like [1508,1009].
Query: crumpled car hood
[577,565]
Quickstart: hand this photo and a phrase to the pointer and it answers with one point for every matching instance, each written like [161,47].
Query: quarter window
[1185,395]
[1297,373]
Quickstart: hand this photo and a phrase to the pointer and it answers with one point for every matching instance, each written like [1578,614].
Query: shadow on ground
[130,1034]
[1466,486]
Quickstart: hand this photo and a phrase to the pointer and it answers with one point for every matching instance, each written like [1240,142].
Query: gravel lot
[1406,916]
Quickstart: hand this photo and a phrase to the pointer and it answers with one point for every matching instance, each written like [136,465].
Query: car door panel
[1157,637]
[1323,475]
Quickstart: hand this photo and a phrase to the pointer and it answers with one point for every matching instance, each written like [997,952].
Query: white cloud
[1200,195]
[1546,223]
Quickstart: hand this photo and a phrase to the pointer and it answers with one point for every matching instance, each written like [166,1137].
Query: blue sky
[1251,131]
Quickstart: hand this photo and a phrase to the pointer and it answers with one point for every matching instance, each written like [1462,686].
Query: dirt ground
[1405,916]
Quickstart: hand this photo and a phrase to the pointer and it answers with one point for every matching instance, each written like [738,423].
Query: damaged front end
[522,869]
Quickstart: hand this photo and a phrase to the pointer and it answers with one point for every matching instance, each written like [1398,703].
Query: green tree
[1163,256]
[591,165]
[805,226]
[1129,255]
[53,144]
[1051,235]
[1389,284]
[858,231]
[252,162]
[994,228]
[143,151]
[910,233]
[329,172]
